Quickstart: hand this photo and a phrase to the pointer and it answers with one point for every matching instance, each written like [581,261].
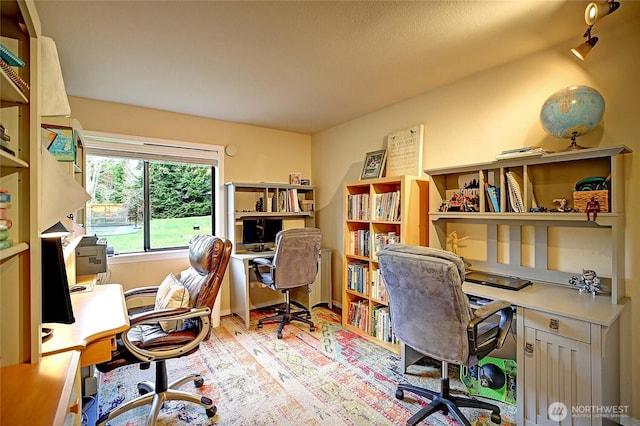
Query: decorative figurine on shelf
[454,240]
[588,282]
[592,207]
[561,205]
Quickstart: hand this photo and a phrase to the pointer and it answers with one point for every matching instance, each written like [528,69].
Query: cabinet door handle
[528,348]
[554,324]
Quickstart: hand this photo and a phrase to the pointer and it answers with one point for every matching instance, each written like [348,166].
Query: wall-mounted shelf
[545,179]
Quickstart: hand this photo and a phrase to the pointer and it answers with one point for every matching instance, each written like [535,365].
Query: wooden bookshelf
[378,212]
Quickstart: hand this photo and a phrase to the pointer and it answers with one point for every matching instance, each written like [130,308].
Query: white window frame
[193,152]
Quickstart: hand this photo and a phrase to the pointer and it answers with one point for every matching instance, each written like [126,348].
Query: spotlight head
[582,50]
[598,10]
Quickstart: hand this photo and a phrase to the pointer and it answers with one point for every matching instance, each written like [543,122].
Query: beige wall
[263,155]
[476,118]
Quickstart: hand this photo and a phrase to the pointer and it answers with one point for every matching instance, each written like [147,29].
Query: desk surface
[38,394]
[99,313]
[554,299]
[245,254]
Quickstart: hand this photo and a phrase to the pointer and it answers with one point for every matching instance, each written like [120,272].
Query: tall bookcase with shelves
[20,176]
[378,212]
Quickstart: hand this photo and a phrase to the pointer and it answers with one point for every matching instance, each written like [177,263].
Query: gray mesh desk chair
[431,314]
[295,264]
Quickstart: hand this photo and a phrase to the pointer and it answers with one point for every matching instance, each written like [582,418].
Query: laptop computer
[493,280]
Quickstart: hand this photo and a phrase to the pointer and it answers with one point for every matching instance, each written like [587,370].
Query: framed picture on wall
[294,178]
[374,164]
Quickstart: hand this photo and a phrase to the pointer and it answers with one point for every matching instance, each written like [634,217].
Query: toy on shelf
[588,282]
[454,240]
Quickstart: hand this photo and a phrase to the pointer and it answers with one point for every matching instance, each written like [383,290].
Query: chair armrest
[261,275]
[152,317]
[149,291]
[485,311]
[262,262]
[501,307]
[147,317]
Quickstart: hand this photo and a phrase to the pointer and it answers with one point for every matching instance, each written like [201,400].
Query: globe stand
[574,145]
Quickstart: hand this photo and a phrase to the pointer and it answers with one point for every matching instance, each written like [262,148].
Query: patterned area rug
[327,377]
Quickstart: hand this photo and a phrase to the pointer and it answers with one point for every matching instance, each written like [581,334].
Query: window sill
[146,257]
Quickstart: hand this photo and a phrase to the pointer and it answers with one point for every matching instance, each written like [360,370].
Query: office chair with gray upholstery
[147,340]
[431,314]
[295,264]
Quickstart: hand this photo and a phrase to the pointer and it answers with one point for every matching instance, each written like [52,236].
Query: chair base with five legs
[445,402]
[285,316]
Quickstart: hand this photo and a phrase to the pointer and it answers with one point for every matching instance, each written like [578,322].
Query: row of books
[378,289]
[358,315]
[359,243]
[358,207]
[358,277]
[515,201]
[381,327]
[382,239]
[387,206]
[288,201]
[361,279]
[5,222]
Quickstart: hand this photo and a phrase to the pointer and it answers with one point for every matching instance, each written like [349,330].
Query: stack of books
[527,151]
[5,223]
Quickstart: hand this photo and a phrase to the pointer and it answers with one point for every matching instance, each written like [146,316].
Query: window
[150,195]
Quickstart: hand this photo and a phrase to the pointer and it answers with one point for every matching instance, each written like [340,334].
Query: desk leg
[409,356]
[239,289]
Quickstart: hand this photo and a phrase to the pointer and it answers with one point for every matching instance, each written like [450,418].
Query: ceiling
[301,66]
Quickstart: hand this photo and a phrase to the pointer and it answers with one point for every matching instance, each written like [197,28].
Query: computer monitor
[260,231]
[56,295]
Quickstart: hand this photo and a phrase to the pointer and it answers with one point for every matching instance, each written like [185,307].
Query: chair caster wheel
[495,418]
[399,394]
[144,388]
[312,329]
[279,335]
[308,316]
[259,325]
[211,411]
[199,382]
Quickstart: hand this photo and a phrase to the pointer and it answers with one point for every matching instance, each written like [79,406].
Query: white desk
[247,293]
[576,336]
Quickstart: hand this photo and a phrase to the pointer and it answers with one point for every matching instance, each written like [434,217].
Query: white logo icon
[557,411]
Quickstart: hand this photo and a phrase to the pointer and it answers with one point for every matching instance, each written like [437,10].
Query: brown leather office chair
[431,314]
[295,264]
[147,341]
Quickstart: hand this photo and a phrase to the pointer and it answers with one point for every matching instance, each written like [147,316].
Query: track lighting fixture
[593,12]
[599,10]
[584,48]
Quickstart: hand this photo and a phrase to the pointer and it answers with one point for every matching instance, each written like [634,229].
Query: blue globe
[572,111]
